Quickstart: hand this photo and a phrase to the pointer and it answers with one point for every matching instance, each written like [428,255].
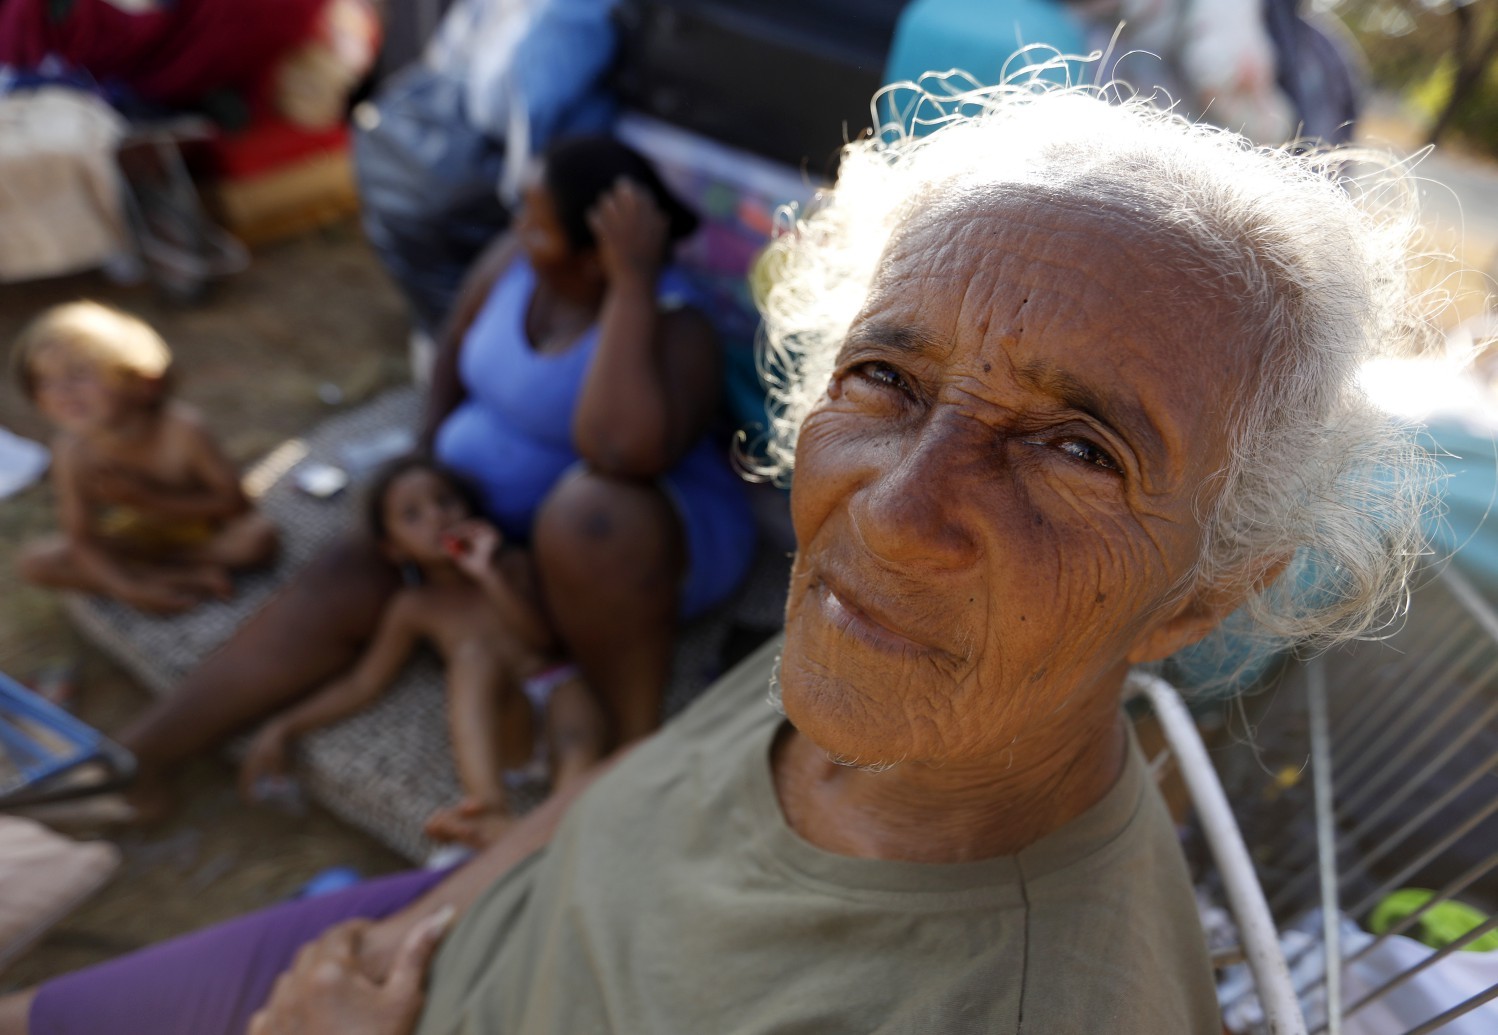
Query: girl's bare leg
[492,729]
[486,726]
[312,630]
[610,556]
[576,732]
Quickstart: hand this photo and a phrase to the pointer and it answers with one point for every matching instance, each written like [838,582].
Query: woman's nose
[922,507]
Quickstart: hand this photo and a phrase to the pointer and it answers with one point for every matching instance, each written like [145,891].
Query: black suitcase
[790,81]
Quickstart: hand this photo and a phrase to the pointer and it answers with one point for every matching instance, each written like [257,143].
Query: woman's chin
[842,723]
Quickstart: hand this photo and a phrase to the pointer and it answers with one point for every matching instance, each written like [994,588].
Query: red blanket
[172,54]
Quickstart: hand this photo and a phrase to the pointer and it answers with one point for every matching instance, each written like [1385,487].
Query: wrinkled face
[421,508]
[994,498]
[75,393]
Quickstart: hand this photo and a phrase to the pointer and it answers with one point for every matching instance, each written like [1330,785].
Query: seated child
[510,707]
[151,510]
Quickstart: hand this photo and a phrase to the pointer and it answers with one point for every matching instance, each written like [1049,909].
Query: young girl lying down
[510,706]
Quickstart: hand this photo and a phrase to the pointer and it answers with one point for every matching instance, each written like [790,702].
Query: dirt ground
[254,356]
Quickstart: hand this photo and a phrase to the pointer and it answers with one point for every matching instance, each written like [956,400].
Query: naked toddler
[151,510]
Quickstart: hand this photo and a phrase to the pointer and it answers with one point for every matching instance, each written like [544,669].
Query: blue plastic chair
[43,746]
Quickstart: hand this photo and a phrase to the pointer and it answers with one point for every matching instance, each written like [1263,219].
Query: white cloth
[22,462]
[475,44]
[43,877]
[1218,61]
[1433,991]
[60,204]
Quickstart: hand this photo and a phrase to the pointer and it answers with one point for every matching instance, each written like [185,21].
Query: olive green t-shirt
[675,900]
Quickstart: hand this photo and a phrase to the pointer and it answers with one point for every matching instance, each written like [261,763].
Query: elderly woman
[1067,384]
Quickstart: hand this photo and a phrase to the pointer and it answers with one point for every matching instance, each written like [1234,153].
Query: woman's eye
[1089,453]
[881,374]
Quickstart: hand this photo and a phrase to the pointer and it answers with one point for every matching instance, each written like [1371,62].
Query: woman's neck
[562,307]
[951,813]
[579,290]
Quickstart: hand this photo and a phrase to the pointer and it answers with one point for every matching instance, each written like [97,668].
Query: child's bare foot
[470,822]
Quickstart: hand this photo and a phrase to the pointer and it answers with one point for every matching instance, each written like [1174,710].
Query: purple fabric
[210,982]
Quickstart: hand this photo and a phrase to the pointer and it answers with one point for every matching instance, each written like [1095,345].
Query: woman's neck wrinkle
[921,814]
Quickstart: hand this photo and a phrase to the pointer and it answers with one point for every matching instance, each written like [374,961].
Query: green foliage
[1414,48]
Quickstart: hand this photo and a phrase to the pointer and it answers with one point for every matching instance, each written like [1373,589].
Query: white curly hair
[1318,261]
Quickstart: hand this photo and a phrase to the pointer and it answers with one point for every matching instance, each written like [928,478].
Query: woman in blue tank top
[576,388]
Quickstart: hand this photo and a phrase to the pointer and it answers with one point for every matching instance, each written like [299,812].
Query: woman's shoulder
[499,280]
[509,279]
[745,693]
[495,334]
[720,724]
[1116,918]
[500,258]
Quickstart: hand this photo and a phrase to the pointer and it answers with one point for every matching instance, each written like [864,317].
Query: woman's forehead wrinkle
[1051,322]
[1073,299]
[889,333]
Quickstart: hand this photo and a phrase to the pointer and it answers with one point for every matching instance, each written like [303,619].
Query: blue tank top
[513,433]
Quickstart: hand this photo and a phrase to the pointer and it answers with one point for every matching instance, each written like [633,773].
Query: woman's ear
[1192,622]
[1194,618]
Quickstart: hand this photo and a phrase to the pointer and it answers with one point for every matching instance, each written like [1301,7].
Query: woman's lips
[870,624]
